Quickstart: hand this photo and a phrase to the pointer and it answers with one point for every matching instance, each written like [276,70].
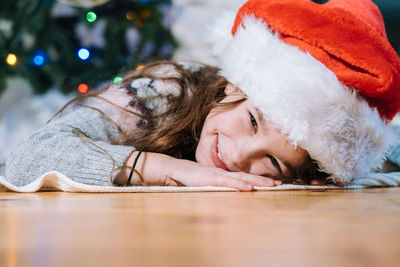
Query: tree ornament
[91,36]
[84,3]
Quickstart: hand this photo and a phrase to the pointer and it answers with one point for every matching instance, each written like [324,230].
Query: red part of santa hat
[347,36]
[325,74]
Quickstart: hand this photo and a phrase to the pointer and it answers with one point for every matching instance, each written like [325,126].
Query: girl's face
[241,139]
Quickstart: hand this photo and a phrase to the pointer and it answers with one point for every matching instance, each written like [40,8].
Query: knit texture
[58,147]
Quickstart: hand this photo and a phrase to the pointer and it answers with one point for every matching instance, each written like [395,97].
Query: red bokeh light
[83,88]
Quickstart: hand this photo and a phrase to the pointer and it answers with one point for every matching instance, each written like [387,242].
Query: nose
[242,154]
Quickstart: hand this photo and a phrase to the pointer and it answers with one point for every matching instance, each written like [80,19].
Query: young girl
[304,94]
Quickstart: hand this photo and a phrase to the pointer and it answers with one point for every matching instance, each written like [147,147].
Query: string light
[83,53]
[83,88]
[145,14]
[130,15]
[39,58]
[138,24]
[91,16]
[117,79]
[11,59]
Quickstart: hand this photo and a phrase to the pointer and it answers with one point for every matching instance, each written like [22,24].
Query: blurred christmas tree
[68,44]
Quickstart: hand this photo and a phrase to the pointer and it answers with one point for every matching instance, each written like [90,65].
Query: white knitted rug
[55,181]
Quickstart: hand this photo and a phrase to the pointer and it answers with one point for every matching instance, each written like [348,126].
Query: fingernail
[278,182]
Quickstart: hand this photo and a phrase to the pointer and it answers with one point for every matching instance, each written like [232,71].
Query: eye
[275,162]
[253,122]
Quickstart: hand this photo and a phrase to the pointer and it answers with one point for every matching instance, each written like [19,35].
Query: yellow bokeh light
[145,14]
[11,59]
[138,24]
[130,15]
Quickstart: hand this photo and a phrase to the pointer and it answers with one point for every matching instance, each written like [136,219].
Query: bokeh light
[11,59]
[117,79]
[145,14]
[91,16]
[39,58]
[83,88]
[130,15]
[83,53]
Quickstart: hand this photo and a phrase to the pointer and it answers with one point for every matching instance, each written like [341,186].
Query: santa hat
[325,74]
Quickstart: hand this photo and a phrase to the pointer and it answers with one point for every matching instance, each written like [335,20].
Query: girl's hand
[191,173]
[160,169]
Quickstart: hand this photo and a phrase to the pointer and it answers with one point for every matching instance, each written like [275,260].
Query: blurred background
[53,50]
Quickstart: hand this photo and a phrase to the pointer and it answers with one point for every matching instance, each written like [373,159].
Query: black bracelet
[133,167]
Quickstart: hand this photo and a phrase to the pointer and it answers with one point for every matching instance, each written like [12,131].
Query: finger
[317,182]
[340,184]
[256,180]
[231,183]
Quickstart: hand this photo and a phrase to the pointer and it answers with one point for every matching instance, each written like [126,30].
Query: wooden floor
[284,228]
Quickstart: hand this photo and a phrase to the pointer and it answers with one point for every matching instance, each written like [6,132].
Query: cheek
[202,154]
[208,133]
[199,149]
[201,146]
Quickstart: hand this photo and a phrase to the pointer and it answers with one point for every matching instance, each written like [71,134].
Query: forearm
[77,145]
[160,169]
[150,169]
[84,161]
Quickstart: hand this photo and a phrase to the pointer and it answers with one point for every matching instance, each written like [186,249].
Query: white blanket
[55,181]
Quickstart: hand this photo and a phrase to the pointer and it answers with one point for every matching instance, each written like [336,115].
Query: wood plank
[284,228]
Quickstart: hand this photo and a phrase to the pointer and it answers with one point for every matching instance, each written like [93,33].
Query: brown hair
[176,131]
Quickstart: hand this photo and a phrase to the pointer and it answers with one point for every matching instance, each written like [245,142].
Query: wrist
[136,178]
[133,169]
[150,169]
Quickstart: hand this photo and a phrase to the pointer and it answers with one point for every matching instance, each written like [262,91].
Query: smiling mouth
[216,155]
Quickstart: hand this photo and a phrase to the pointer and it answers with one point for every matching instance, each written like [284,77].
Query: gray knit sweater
[77,143]
[56,147]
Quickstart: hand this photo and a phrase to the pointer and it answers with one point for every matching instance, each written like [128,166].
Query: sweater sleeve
[393,153]
[76,144]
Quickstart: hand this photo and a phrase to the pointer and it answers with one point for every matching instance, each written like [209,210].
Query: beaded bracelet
[133,167]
